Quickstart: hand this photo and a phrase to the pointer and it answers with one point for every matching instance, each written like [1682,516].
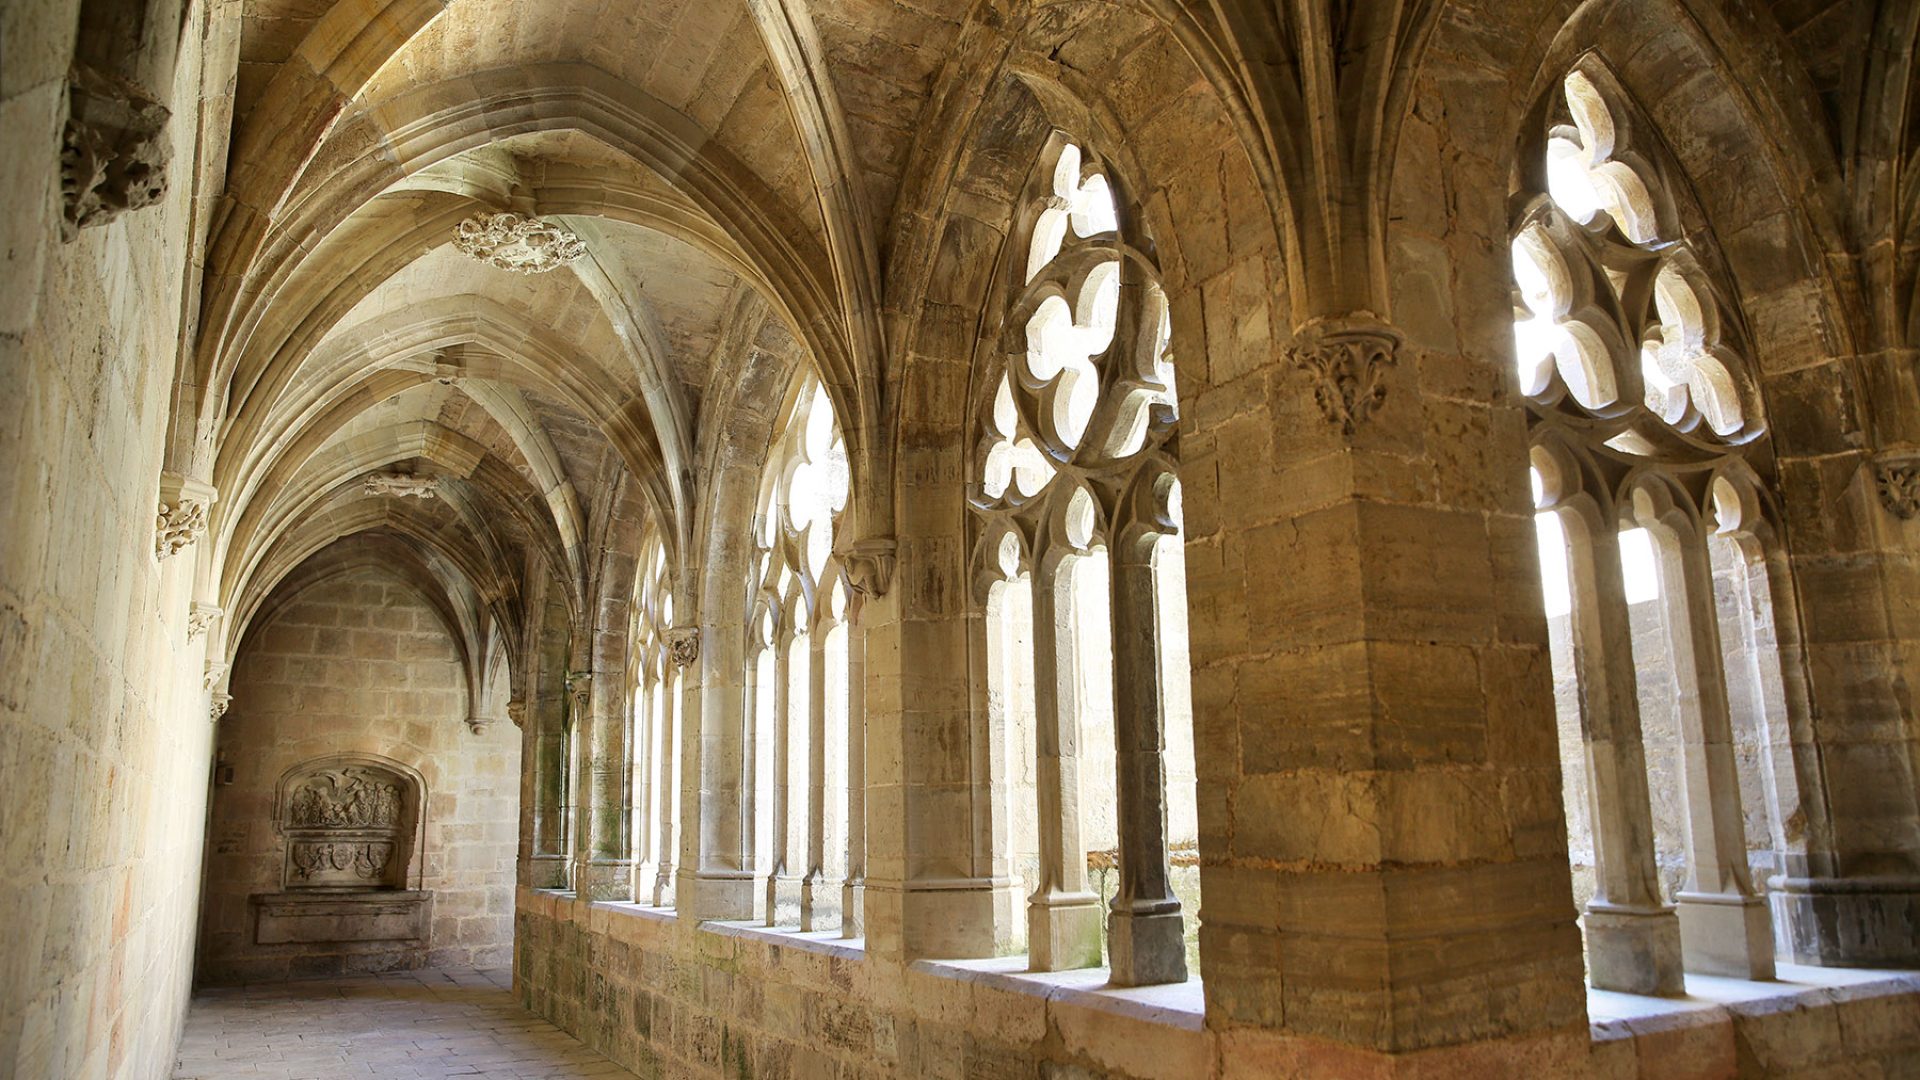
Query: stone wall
[104,731]
[727,1001]
[360,665]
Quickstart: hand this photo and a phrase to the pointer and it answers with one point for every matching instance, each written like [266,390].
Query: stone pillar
[609,865]
[662,894]
[646,865]
[728,733]
[1847,432]
[781,888]
[1383,844]
[852,922]
[1144,926]
[817,897]
[547,748]
[1633,936]
[1725,927]
[1063,914]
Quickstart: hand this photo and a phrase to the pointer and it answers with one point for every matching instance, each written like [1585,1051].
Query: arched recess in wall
[1169,138]
[1650,452]
[350,822]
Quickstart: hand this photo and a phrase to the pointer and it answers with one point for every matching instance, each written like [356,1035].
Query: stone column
[1633,936]
[1144,926]
[816,899]
[1725,928]
[669,727]
[777,866]
[852,922]
[1063,915]
[646,768]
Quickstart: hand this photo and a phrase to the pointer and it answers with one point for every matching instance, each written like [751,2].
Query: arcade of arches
[1137,538]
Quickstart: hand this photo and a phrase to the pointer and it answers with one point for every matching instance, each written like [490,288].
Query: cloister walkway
[399,1026]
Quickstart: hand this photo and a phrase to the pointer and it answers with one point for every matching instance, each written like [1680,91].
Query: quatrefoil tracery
[1616,328]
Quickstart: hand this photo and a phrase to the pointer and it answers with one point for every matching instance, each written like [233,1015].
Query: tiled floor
[402,1026]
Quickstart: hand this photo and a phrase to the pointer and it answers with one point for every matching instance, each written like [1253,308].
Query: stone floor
[398,1026]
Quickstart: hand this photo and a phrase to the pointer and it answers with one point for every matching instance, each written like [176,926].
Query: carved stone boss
[1346,359]
[113,151]
[1898,479]
[524,245]
[345,827]
[182,515]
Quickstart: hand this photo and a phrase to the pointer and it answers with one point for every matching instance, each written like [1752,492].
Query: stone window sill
[628,907]
[1710,999]
[824,942]
[1181,1005]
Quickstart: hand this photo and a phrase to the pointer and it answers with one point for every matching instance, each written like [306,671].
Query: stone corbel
[870,565]
[200,618]
[113,152]
[218,706]
[683,645]
[1346,359]
[216,674]
[479,724]
[182,516]
[517,712]
[580,690]
[1897,476]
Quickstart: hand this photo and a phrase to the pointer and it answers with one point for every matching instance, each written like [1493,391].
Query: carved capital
[216,674]
[113,151]
[870,565]
[218,706]
[683,645]
[1897,476]
[182,515]
[200,619]
[1346,361]
[517,712]
[524,245]
[580,690]
[402,485]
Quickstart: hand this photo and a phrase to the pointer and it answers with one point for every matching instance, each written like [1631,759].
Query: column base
[1063,932]
[1726,935]
[547,872]
[819,904]
[1848,922]
[662,892]
[853,919]
[783,900]
[1147,949]
[605,879]
[1634,950]
[721,894]
[947,918]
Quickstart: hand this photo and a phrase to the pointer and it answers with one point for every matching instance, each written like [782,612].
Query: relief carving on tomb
[113,152]
[1899,483]
[523,245]
[1346,359]
[403,485]
[347,826]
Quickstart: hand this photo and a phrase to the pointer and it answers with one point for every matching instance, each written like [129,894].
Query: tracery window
[1080,571]
[805,724]
[655,697]
[1647,440]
